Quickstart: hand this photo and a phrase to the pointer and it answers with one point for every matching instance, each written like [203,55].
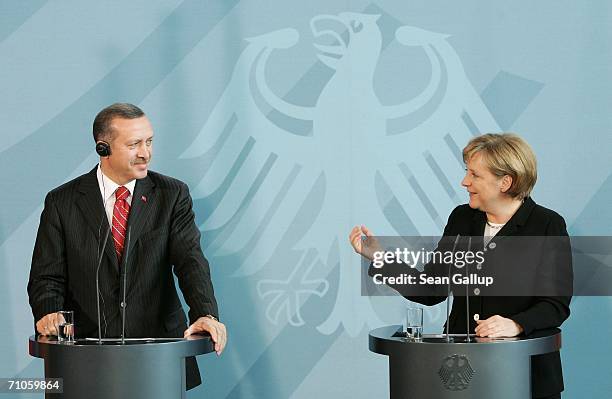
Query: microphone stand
[124,278]
[467,295]
[98,284]
[449,289]
[101,254]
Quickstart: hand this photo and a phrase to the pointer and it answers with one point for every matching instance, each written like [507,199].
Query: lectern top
[390,339]
[193,345]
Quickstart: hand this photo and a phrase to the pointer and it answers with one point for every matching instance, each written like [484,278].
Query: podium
[151,368]
[482,368]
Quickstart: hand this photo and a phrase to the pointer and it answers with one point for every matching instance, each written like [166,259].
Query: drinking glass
[65,326]
[414,323]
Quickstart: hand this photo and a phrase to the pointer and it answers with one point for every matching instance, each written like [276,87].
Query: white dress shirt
[107,190]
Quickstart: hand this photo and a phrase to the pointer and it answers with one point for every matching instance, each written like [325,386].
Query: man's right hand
[367,247]
[47,325]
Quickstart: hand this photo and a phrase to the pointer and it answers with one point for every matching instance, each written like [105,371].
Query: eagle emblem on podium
[456,372]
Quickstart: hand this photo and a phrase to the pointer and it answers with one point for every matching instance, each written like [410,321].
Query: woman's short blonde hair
[506,154]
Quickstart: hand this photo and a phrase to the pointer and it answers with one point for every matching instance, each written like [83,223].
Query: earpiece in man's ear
[103,148]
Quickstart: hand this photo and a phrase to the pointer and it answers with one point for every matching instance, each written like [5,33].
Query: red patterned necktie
[121,212]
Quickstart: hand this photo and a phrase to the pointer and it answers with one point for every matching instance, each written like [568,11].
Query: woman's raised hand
[364,247]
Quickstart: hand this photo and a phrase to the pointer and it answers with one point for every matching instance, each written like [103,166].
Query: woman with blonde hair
[501,171]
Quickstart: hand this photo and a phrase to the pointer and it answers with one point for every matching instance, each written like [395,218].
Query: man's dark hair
[102,123]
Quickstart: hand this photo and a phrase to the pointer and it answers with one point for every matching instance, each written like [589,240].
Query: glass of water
[414,323]
[65,326]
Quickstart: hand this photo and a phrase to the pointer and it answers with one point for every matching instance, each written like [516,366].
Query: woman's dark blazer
[531,312]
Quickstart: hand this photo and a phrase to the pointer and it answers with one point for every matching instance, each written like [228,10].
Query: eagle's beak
[333,35]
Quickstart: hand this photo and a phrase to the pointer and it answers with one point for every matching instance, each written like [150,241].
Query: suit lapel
[478,224]
[142,203]
[513,226]
[92,207]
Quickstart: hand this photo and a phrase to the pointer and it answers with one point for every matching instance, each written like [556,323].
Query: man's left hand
[497,326]
[215,328]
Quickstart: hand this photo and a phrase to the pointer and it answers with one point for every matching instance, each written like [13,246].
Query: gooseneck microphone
[467,294]
[100,255]
[449,288]
[124,280]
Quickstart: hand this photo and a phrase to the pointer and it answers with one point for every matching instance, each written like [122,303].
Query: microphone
[467,294]
[124,279]
[449,288]
[100,255]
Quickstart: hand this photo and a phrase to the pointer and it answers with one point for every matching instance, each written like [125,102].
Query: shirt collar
[108,186]
[517,220]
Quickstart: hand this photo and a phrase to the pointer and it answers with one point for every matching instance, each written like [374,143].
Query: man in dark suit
[151,234]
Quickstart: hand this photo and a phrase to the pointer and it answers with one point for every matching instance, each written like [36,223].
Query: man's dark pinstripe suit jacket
[163,234]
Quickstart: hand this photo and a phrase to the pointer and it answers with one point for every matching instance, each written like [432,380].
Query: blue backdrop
[292,121]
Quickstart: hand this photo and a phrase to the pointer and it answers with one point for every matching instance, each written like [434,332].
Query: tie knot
[122,193]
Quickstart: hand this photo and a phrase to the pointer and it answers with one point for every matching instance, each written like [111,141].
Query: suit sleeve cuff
[521,319]
[44,308]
